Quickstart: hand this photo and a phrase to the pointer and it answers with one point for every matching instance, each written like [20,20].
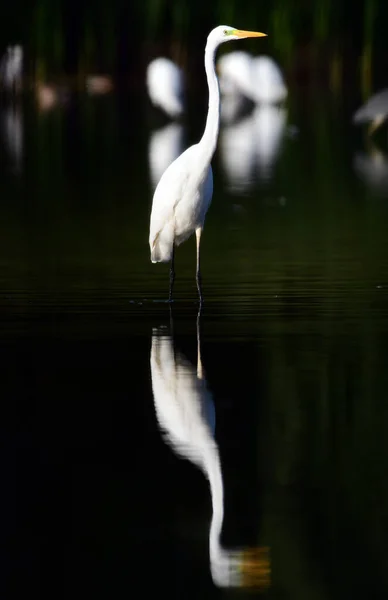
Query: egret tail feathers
[161,250]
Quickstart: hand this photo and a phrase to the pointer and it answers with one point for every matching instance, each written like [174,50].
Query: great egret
[186,416]
[234,70]
[257,78]
[268,85]
[184,192]
[165,83]
[374,111]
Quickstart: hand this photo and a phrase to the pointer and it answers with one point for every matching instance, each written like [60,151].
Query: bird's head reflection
[186,416]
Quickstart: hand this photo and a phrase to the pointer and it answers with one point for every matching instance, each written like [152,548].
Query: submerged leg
[198,274]
[172,273]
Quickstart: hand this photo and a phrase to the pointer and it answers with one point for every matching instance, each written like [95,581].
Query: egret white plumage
[184,192]
[186,416]
[374,111]
[234,69]
[257,78]
[165,84]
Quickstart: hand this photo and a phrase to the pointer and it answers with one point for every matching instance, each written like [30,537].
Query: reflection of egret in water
[269,128]
[372,168]
[165,145]
[12,133]
[186,415]
[11,69]
[237,151]
[250,147]
[165,83]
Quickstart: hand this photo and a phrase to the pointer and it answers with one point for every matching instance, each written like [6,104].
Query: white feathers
[165,83]
[257,78]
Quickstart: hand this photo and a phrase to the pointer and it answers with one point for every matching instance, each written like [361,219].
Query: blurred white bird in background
[374,111]
[257,78]
[234,69]
[268,86]
[165,145]
[165,84]
[186,416]
[11,69]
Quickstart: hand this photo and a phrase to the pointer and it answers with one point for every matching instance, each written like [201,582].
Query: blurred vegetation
[78,36]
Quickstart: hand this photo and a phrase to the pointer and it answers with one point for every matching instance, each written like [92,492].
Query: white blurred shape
[11,69]
[237,147]
[165,83]
[12,130]
[186,415]
[235,73]
[250,147]
[165,145]
[257,78]
[269,127]
[372,169]
[268,86]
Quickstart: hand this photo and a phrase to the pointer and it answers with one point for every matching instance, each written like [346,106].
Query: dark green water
[294,330]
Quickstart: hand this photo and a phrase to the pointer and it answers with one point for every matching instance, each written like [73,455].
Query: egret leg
[172,273]
[198,278]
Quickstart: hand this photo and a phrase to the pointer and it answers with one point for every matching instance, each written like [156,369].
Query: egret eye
[225,32]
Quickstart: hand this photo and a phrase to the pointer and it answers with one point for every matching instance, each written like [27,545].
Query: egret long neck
[210,135]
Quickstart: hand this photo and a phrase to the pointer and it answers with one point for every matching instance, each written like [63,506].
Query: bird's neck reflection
[186,416]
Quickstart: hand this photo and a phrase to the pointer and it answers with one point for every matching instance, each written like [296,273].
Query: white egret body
[184,192]
[234,70]
[186,416]
[165,83]
[268,83]
[374,111]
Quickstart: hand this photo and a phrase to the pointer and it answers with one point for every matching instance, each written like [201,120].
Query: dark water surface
[105,484]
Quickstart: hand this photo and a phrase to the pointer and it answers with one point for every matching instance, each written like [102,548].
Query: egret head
[225,33]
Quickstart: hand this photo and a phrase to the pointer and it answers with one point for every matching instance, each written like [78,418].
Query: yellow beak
[245,34]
